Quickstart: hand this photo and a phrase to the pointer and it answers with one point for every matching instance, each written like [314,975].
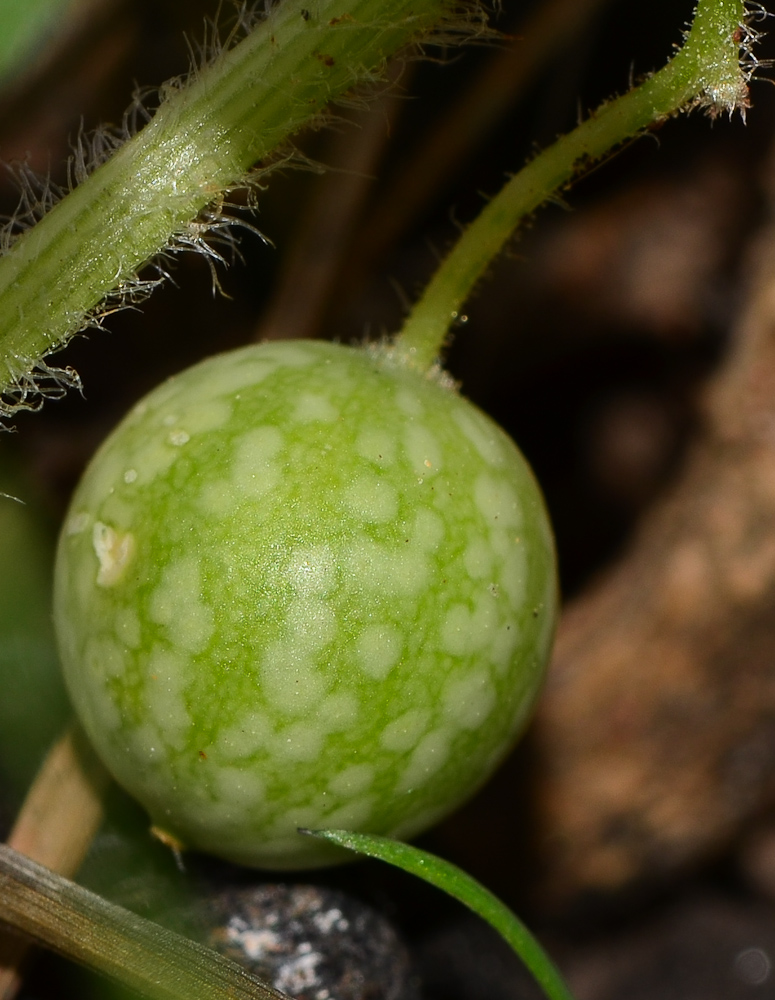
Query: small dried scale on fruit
[304,585]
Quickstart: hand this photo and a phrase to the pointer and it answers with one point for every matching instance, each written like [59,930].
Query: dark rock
[311,942]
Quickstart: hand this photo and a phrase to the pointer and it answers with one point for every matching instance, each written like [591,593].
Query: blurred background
[626,341]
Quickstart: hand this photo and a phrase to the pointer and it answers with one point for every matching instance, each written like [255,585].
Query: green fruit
[302,585]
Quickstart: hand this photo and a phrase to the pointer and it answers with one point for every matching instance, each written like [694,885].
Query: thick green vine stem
[158,190]
[711,70]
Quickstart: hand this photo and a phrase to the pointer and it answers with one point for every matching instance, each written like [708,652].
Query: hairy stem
[707,71]
[199,144]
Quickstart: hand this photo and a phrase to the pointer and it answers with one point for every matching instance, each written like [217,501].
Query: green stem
[706,71]
[199,144]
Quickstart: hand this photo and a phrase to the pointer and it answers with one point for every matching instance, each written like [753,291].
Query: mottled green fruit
[302,585]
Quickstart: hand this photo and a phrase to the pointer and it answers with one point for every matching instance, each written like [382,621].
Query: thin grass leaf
[142,955]
[456,883]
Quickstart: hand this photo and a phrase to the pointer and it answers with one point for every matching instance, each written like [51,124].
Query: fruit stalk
[711,70]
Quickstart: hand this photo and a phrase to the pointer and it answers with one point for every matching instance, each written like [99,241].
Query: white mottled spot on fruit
[376,446]
[503,645]
[144,744]
[497,501]
[104,658]
[289,681]
[103,708]
[482,435]
[379,648]
[299,741]
[313,408]
[245,738]
[454,630]
[423,450]
[179,437]
[236,784]
[409,403]
[130,476]
[484,620]
[401,572]
[478,559]
[206,416]
[353,780]
[258,446]
[464,631]
[165,704]
[217,499]
[429,755]
[177,603]
[253,471]
[351,815]
[114,551]
[310,623]
[468,700]
[501,542]
[404,732]
[230,378]
[372,499]
[170,420]
[513,576]
[427,530]
[338,711]
[410,572]
[313,571]
[152,459]
[127,627]
[77,523]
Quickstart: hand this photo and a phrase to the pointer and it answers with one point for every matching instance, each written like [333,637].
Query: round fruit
[302,585]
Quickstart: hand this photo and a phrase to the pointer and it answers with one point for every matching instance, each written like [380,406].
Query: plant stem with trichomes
[152,193]
[711,70]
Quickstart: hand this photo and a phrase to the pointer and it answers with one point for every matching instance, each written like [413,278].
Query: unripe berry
[303,585]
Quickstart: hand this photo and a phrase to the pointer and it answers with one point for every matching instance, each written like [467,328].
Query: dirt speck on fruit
[114,551]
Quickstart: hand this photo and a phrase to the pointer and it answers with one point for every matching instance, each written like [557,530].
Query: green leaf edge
[463,887]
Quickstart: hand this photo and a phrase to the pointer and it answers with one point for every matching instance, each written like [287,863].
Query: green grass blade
[142,955]
[455,882]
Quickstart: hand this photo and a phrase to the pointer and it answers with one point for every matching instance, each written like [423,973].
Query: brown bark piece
[656,735]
